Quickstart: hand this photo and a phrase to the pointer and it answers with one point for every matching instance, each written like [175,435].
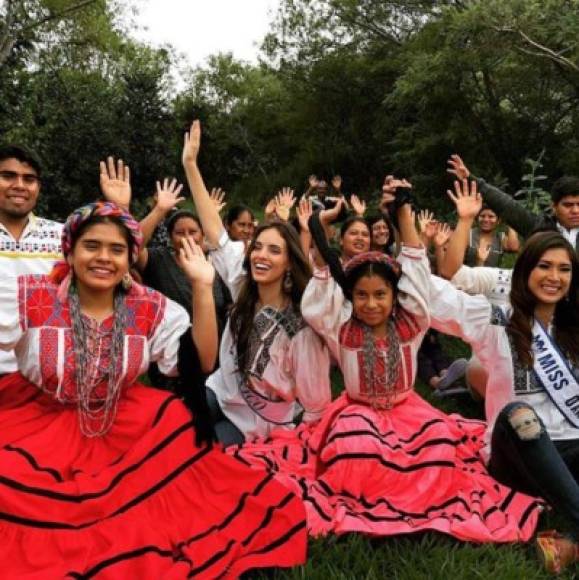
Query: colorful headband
[102,209]
[372,258]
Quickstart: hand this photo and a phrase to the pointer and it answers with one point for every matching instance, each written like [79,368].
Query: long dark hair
[374,219]
[243,311]
[523,301]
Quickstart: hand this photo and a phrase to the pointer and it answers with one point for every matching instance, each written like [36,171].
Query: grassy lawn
[425,555]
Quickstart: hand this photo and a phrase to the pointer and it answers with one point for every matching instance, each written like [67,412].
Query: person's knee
[524,421]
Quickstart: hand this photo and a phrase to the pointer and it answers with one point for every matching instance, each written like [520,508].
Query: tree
[27,24]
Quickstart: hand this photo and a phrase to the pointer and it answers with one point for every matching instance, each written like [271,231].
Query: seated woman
[272,364]
[531,354]
[487,244]
[161,270]
[102,475]
[383,461]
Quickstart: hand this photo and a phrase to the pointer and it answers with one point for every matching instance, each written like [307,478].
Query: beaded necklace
[392,363]
[97,413]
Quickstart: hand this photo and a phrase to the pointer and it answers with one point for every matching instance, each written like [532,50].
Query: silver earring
[288,282]
[127,282]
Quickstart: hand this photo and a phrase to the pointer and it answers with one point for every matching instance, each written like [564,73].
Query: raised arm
[468,204]
[206,209]
[511,241]
[204,324]
[115,182]
[304,211]
[509,210]
[167,197]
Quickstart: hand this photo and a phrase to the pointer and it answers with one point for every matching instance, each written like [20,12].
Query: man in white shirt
[28,244]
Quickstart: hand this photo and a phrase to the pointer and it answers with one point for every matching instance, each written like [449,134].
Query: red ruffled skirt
[140,502]
[397,471]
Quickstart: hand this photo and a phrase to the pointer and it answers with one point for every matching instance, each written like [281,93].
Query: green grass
[420,556]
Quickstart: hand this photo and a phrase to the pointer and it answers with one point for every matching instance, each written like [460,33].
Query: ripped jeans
[525,458]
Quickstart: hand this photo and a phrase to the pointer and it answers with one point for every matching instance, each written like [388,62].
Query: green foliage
[532,195]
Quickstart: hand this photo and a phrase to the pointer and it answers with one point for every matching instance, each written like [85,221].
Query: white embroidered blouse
[288,363]
[37,326]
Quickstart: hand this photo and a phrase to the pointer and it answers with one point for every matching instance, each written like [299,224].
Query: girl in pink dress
[382,460]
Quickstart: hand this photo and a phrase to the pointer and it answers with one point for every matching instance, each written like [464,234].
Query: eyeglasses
[12,177]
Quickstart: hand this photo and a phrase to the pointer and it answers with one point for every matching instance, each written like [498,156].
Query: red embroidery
[22,302]
[134,349]
[352,338]
[40,308]
[49,359]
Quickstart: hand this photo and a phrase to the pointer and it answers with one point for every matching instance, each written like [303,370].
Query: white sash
[277,412]
[553,372]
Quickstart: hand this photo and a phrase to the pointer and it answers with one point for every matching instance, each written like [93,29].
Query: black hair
[371,269]
[349,221]
[235,211]
[374,219]
[105,219]
[23,155]
[176,216]
[564,186]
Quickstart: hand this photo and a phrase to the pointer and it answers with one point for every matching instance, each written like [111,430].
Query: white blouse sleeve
[11,329]
[458,314]
[325,308]
[479,280]
[228,261]
[414,284]
[310,362]
[164,344]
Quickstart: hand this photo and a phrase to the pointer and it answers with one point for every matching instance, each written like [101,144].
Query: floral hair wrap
[61,273]
[373,258]
[101,209]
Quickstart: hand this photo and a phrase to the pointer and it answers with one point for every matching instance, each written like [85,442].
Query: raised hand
[284,200]
[194,263]
[337,183]
[217,196]
[328,216]
[358,205]
[389,189]
[467,199]
[457,167]
[191,143]
[426,223]
[167,195]
[270,208]
[442,235]
[304,211]
[482,253]
[115,182]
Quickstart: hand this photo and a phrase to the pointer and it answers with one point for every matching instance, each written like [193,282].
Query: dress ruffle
[140,502]
[385,472]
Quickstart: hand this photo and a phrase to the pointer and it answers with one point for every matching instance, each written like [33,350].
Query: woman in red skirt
[101,476]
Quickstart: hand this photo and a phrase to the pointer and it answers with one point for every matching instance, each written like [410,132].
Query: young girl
[272,364]
[382,460]
[101,475]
